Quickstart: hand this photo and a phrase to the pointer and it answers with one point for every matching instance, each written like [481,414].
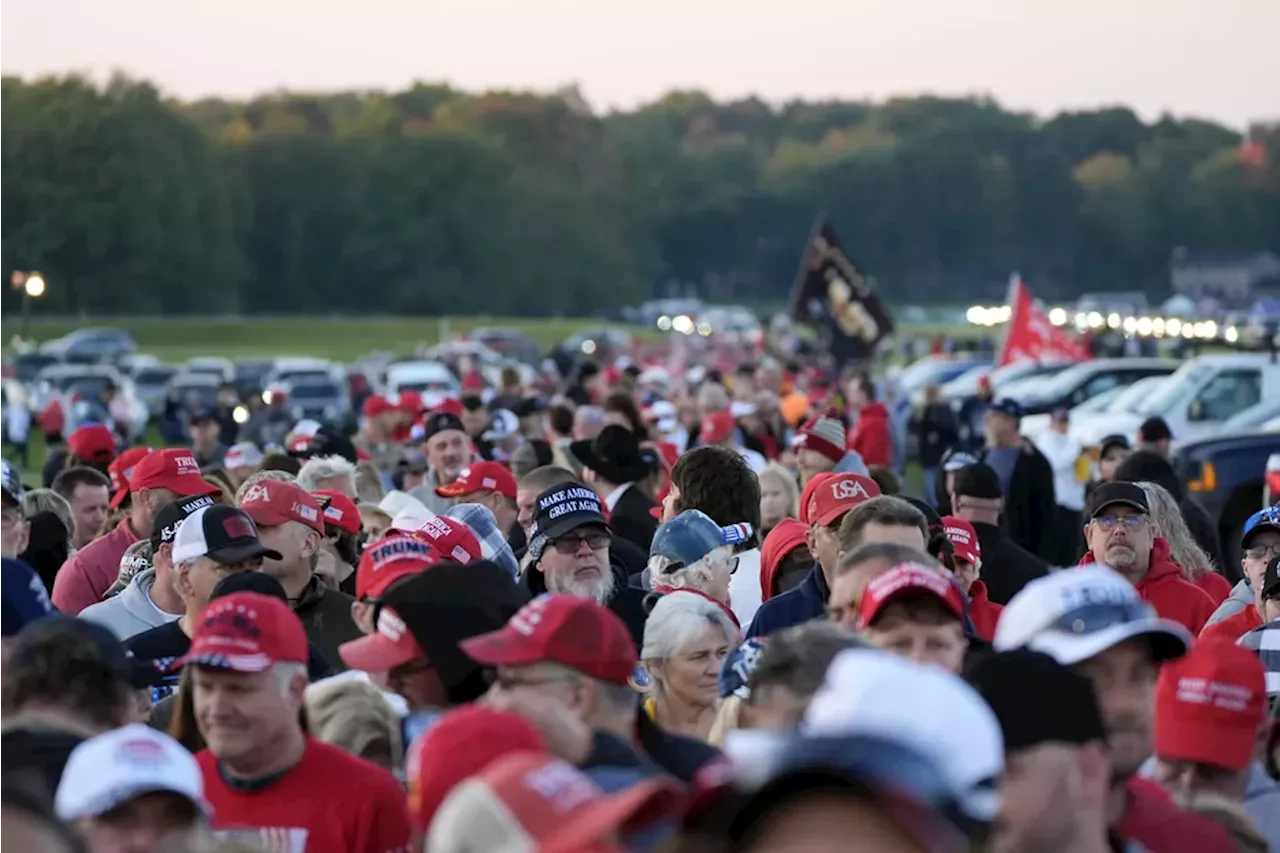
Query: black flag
[830,292]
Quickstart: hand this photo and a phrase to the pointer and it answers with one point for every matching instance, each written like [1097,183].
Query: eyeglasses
[1131,522]
[1091,618]
[507,681]
[672,568]
[597,540]
[1259,552]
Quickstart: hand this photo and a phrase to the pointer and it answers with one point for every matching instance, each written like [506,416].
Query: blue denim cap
[692,535]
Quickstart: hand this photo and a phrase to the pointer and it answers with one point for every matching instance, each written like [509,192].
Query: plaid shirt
[493,542]
[1266,642]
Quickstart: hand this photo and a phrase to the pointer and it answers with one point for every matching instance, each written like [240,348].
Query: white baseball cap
[1075,614]
[925,708]
[106,771]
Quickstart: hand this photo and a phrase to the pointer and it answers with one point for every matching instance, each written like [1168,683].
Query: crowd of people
[642,614]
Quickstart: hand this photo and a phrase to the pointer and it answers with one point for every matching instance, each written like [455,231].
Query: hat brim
[119,496]
[1258,528]
[1168,639]
[503,647]
[1202,742]
[211,657]
[265,516]
[1120,502]
[376,653]
[631,810]
[131,791]
[569,523]
[832,514]
[243,551]
[454,490]
[953,606]
[584,452]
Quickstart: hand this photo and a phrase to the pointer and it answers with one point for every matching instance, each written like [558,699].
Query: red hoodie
[1173,596]
[872,437]
[781,541]
[1215,585]
[984,612]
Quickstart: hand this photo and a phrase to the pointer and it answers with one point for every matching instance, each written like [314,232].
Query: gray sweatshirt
[132,611]
[427,494]
[1241,597]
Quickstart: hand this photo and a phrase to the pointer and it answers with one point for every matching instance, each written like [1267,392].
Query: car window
[313,391]
[1096,385]
[1224,395]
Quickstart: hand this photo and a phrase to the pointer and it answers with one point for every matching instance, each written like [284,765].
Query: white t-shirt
[755,460]
[1063,453]
[744,587]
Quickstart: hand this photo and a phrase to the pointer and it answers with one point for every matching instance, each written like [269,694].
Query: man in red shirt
[264,776]
[1092,620]
[1119,534]
[984,612]
[872,436]
[159,479]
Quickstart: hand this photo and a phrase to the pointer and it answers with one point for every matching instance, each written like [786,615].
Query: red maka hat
[835,495]
[1209,705]
[390,646]
[271,503]
[376,404]
[907,579]
[341,511]
[246,632]
[174,469]
[121,469]
[93,443]
[564,629]
[716,426]
[964,539]
[481,477]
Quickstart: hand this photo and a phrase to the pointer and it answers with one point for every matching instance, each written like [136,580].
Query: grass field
[339,338]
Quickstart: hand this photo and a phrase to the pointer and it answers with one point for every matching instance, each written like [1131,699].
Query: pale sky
[1215,60]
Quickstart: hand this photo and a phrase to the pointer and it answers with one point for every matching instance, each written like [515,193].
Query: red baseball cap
[341,511]
[806,494]
[120,469]
[401,554]
[564,629]
[246,632]
[539,802]
[1209,704]
[836,495]
[481,477]
[392,645]
[273,502]
[93,443]
[964,539]
[715,426]
[450,406]
[376,404]
[908,579]
[411,402]
[173,468]
[786,536]
[453,539]
[462,742]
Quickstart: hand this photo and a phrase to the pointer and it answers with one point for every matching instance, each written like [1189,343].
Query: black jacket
[326,616]
[936,431]
[680,756]
[1006,567]
[1030,508]
[627,603]
[631,520]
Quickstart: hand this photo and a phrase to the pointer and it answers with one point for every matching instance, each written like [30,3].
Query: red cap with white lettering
[1209,705]
[837,494]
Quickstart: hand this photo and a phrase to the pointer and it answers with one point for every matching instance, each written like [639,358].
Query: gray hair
[619,697]
[353,715]
[319,468]
[258,476]
[712,397]
[797,658]
[47,500]
[369,488]
[677,619]
[697,575]
[1167,518]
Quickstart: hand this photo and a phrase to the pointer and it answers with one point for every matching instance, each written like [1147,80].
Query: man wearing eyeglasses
[1260,546]
[1120,535]
[1094,621]
[569,554]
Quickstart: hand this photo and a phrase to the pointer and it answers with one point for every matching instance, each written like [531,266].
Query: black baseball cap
[1009,407]
[11,481]
[1271,579]
[978,480]
[1110,494]
[222,533]
[249,582]
[437,422]
[1155,428]
[1038,700]
[199,414]
[328,441]
[1113,441]
[565,507]
[171,516]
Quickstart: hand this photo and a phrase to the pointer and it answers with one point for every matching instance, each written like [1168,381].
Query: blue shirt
[1003,460]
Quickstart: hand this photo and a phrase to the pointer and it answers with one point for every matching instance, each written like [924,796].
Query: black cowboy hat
[614,454]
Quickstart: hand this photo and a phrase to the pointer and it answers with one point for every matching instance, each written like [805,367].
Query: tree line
[432,200]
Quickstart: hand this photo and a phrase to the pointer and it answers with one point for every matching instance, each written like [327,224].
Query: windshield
[424,385]
[1129,399]
[313,391]
[154,376]
[1059,386]
[1099,403]
[1175,390]
[296,375]
[86,386]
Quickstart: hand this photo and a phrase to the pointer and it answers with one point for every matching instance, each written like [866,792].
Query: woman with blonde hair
[1169,524]
[686,640]
[354,716]
[779,497]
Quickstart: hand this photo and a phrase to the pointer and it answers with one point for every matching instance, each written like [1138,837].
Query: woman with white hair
[691,551]
[686,640]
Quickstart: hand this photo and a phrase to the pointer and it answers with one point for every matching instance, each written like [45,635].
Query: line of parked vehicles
[1223,410]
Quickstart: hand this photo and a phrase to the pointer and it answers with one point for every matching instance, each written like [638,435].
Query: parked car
[1078,383]
[223,369]
[965,386]
[285,371]
[27,365]
[321,400]
[930,370]
[1206,392]
[511,343]
[1092,420]
[431,378]
[251,376]
[95,344]
[152,383]
[79,390]
[1227,475]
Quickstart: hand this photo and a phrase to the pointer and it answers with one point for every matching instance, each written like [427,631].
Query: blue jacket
[808,600]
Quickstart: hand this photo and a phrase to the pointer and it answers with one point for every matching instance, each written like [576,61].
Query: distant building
[1235,279]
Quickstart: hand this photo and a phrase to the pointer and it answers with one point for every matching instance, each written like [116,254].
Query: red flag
[1030,335]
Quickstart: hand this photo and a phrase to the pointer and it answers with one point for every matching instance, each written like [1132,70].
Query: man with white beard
[569,554]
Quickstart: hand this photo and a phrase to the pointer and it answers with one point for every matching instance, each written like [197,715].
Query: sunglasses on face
[1130,522]
[597,540]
